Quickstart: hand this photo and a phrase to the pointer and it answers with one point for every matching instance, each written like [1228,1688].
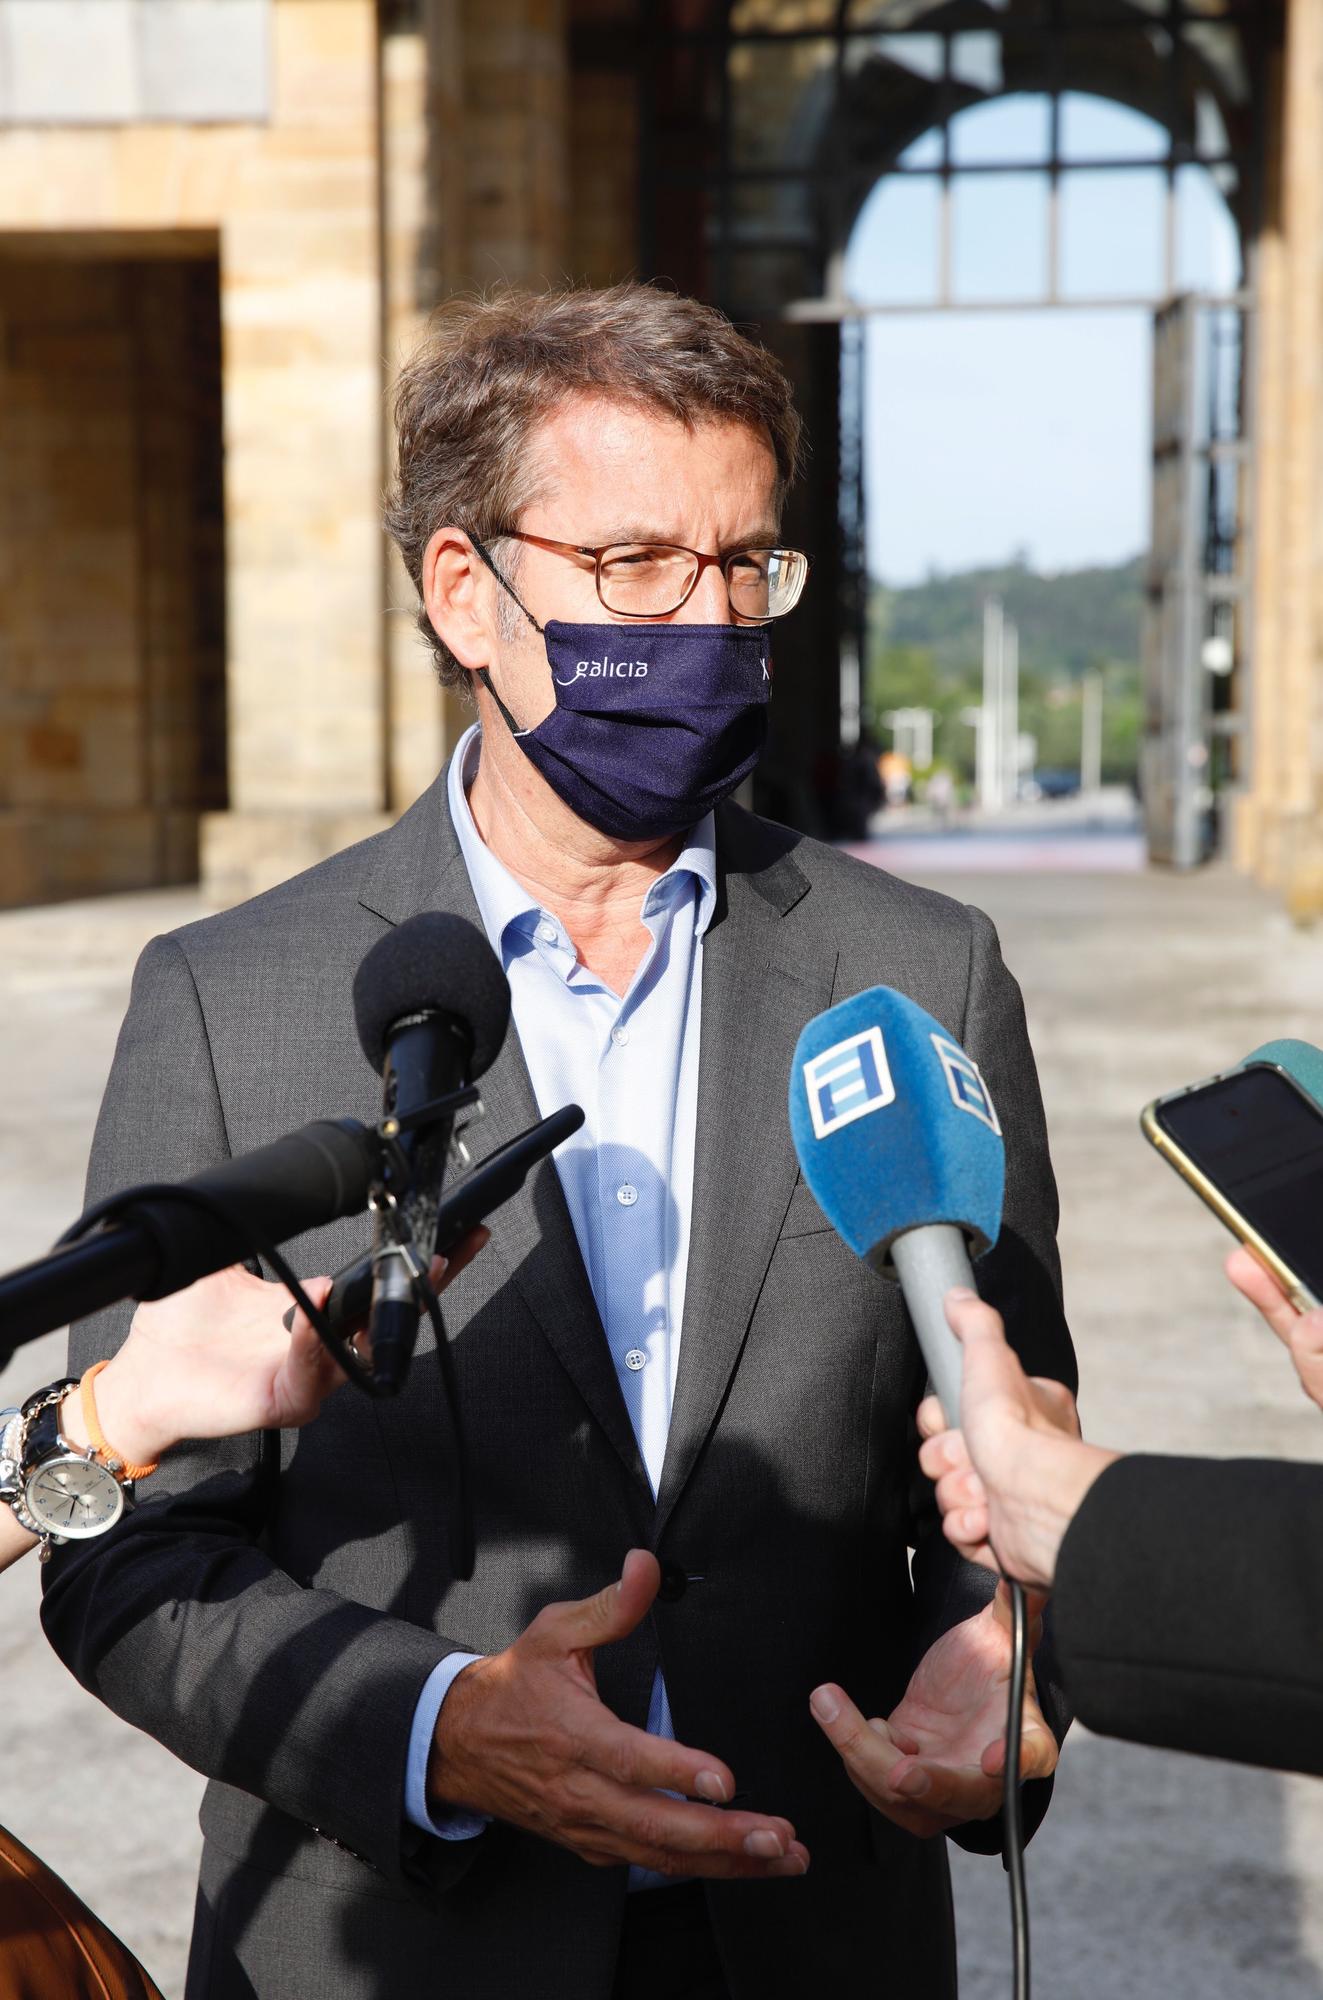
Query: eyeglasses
[652,579]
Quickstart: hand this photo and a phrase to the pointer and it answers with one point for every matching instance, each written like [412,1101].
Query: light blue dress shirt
[627,1173]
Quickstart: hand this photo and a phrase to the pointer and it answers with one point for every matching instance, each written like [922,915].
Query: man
[665,1349]
[1187,1591]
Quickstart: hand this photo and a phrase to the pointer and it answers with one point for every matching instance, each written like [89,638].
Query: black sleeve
[1189,1608]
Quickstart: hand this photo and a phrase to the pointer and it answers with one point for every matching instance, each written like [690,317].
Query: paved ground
[1154,1875]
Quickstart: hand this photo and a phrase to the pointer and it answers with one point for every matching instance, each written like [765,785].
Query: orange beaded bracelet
[105,1453]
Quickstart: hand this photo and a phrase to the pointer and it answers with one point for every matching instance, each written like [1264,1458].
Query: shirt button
[627,1194]
[547,933]
[636,1359]
[620,1036]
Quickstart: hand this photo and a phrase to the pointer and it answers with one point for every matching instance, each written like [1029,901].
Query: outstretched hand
[938,1760]
[524,1736]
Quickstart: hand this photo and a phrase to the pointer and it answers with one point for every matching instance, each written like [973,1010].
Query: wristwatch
[56,1490]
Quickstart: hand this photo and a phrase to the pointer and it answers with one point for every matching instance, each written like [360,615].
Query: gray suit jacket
[272,1609]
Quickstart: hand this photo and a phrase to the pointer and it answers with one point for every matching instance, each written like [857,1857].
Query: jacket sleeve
[177,1619]
[1189,1602]
[1021,1276]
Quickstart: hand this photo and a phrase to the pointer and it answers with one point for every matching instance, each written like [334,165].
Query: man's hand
[525,1737]
[938,1759]
[1301,1333]
[1009,1482]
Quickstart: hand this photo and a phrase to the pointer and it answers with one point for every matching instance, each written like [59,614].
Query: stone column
[301,321]
[1280,831]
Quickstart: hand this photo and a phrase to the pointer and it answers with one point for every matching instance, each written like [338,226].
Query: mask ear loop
[482,672]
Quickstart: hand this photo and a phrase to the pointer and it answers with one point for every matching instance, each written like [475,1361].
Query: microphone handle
[929,1261]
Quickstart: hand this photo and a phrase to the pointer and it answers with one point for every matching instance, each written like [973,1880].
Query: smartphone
[1250,1143]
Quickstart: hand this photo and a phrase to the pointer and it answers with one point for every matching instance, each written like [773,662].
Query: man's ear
[457,594]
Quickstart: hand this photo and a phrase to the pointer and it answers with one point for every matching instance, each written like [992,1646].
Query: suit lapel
[756,999]
[419,866]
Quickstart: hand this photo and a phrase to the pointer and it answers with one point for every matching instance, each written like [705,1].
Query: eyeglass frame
[703,560]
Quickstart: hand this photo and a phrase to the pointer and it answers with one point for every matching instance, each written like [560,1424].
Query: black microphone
[159,1239]
[432,1007]
[491,1183]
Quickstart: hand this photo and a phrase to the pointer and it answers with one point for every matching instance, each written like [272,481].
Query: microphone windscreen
[894,1126]
[434,961]
[1300,1060]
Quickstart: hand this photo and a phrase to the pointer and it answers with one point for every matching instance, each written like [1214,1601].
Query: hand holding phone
[1250,1144]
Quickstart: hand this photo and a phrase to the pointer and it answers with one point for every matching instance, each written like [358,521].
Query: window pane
[1113,234]
[1015,129]
[976,62]
[1092,128]
[893,255]
[1208,244]
[925,152]
[999,237]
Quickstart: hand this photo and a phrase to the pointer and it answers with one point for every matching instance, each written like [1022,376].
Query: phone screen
[1260,1141]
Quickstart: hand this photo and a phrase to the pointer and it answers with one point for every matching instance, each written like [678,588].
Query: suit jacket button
[674,1582]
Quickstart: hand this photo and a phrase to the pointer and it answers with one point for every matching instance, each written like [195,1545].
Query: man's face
[616,473]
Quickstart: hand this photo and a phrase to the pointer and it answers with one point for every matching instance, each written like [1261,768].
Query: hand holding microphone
[1010,1479]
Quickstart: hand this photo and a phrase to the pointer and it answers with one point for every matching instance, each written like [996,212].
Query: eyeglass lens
[643,580]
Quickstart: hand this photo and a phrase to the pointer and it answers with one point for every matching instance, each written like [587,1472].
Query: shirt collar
[504,903]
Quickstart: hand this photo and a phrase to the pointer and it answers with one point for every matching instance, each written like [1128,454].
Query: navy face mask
[653,724]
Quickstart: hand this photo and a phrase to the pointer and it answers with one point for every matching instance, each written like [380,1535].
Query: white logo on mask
[598,670]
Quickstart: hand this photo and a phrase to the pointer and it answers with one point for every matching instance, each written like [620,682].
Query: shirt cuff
[452,1823]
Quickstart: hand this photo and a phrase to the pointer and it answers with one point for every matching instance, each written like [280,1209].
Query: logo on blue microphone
[966,1085]
[848,1081]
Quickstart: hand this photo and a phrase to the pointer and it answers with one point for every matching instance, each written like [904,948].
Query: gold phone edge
[1212,1196]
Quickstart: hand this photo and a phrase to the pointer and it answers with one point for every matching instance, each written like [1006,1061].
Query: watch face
[74,1497]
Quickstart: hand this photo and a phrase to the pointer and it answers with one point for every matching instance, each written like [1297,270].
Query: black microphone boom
[158,1242]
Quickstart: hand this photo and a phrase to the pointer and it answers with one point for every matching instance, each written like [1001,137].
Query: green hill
[1069,622]
[926,649]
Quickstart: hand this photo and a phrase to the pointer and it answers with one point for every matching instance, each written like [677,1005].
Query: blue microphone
[1301,1061]
[900,1142]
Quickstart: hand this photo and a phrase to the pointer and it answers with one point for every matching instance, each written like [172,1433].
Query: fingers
[919,1796]
[931,1417]
[1056,1403]
[868,1749]
[460,1257]
[632,1758]
[947,1793]
[609,1614]
[675,1836]
[1038,1753]
[945,1453]
[1262,1290]
[309,1372]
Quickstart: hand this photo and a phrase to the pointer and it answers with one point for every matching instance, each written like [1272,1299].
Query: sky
[995,432]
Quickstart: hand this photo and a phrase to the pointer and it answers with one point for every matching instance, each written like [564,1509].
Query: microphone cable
[355,1368]
[1012,1846]
[1012,1855]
